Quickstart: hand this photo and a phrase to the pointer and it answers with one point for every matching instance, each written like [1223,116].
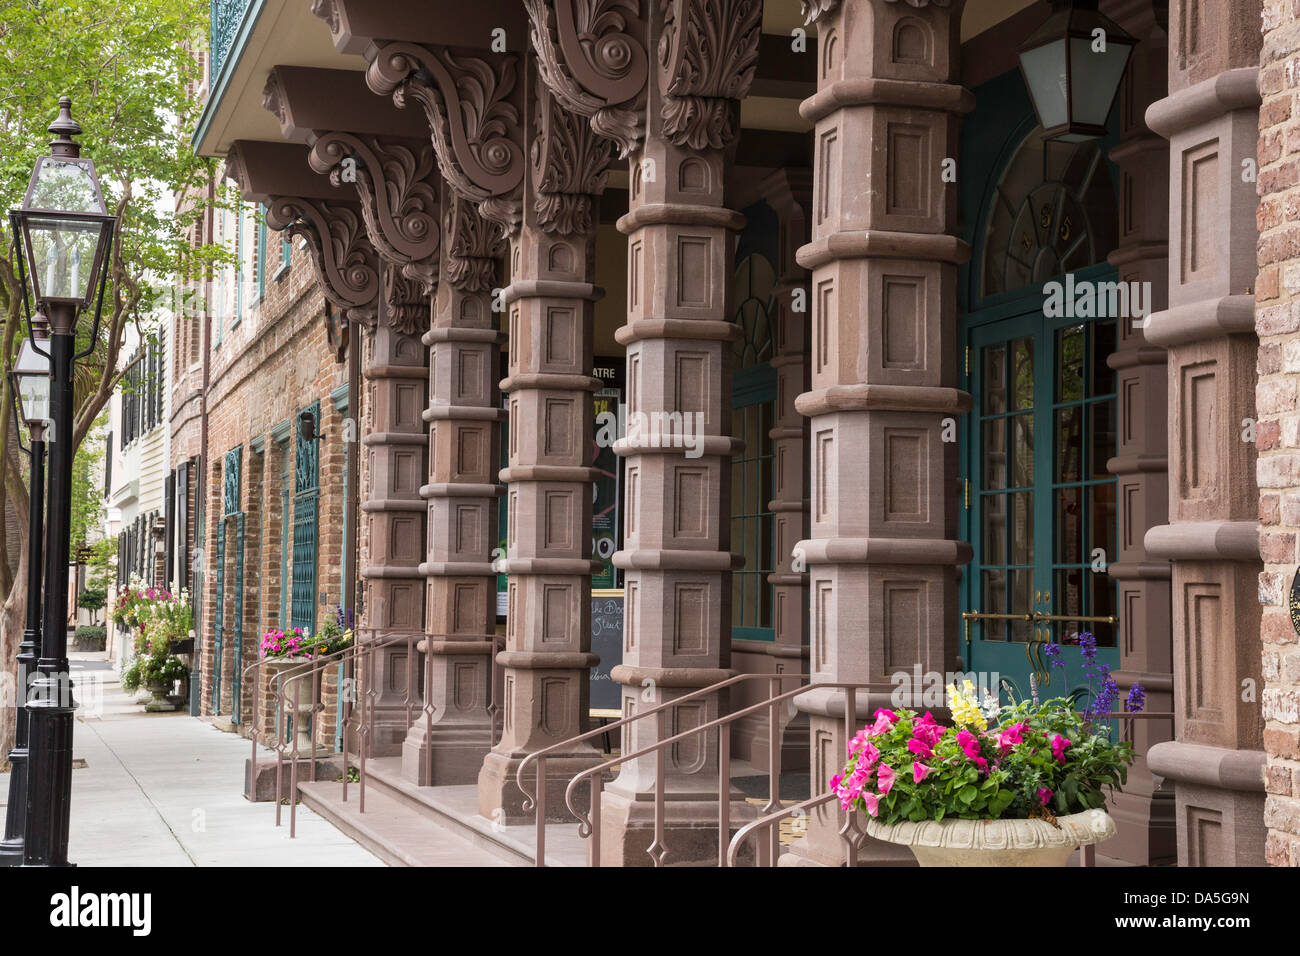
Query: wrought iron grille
[225,17]
[232,475]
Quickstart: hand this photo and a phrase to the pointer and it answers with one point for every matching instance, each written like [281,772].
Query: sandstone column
[677,557]
[1210,118]
[551,304]
[464,416]
[882,555]
[1144,811]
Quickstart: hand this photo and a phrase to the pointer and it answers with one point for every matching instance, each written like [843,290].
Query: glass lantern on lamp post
[66,235]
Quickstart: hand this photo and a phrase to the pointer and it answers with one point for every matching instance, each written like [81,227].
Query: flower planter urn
[295,682]
[158,701]
[956,842]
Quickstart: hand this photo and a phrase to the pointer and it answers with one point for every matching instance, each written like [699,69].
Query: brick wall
[267,367]
[1277,295]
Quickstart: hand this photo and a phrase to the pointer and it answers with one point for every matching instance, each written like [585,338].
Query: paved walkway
[164,790]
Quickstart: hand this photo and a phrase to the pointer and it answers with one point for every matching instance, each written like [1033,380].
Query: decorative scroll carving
[473,247]
[471,106]
[399,199]
[592,55]
[328,11]
[406,301]
[813,10]
[569,166]
[273,99]
[707,57]
[345,263]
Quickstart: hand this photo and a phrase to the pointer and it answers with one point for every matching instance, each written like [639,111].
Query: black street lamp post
[30,386]
[66,235]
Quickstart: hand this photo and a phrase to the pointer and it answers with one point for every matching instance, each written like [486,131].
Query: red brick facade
[1277,294]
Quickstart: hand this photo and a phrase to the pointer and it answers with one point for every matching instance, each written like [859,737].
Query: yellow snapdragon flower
[965,707]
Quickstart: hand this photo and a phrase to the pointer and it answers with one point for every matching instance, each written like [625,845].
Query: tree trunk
[13,618]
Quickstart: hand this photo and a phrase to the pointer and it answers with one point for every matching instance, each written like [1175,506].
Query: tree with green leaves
[129,68]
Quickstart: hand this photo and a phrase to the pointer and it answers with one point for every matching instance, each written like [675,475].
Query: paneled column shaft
[464,417]
[551,307]
[1211,119]
[393,523]
[882,555]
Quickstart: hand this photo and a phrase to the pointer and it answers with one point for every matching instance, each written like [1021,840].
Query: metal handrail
[589,823]
[358,721]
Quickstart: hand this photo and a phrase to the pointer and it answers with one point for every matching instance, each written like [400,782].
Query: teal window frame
[306,524]
[286,256]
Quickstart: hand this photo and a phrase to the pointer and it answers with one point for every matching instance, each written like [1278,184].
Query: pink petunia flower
[886,777]
[920,771]
[1059,744]
[1015,734]
[873,803]
[918,746]
[1044,795]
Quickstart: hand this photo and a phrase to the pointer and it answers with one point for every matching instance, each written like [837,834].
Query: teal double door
[1039,505]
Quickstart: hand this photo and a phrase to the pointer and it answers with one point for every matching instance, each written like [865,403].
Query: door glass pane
[1069,364]
[993,600]
[1022,598]
[1103,605]
[994,528]
[1022,451]
[1069,443]
[995,380]
[995,454]
[1022,373]
[1069,526]
[1022,527]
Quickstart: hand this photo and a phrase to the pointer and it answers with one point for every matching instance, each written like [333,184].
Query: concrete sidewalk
[164,790]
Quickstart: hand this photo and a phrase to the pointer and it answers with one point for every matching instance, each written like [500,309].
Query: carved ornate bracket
[570,164]
[398,187]
[592,56]
[472,105]
[473,247]
[707,57]
[343,260]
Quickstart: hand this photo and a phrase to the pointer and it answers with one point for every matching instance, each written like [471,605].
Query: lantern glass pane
[64,185]
[61,254]
[1045,74]
[1096,78]
[34,393]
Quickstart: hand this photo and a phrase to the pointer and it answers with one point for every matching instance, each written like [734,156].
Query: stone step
[456,808]
[392,830]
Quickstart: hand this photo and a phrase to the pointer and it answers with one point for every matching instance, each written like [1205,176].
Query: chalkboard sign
[607,642]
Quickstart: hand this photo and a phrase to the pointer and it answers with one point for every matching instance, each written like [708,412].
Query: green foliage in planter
[93,598]
[145,671]
[90,637]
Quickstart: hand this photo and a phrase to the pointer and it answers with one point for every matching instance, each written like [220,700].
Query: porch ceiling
[278,32]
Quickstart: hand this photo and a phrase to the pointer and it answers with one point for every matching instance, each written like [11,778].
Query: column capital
[473,105]
[569,167]
[473,246]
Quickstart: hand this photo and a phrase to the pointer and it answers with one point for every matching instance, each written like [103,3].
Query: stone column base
[500,799]
[750,743]
[458,752]
[388,732]
[1219,797]
[690,828]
